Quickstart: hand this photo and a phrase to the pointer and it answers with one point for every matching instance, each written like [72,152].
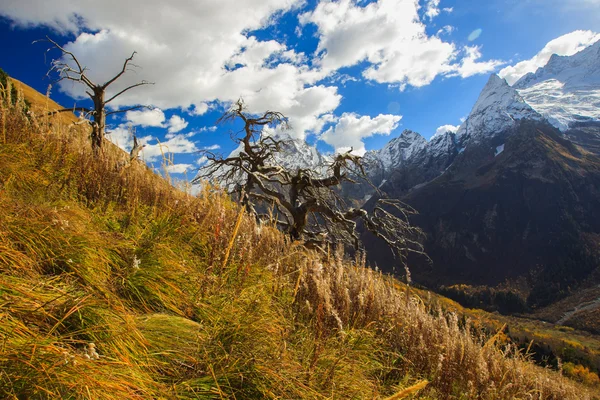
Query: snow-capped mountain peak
[567,89]
[398,150]
[498,108]
[297,153]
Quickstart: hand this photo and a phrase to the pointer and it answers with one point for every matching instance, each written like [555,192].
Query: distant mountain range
[514,194]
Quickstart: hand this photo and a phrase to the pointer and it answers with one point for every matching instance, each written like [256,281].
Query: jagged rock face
[567,90]
[498,108]
[433,160]
[398,152]
[297,154]
[530,211]
[410,160]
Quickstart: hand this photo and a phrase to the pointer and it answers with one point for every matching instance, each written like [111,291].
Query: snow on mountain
[397,151]
[297,154]
[442,143]
[498,108]
[567,89]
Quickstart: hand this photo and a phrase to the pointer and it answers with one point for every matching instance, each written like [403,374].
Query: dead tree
[69,68]
[306,204]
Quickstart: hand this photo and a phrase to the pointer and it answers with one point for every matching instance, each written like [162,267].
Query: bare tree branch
[110,81]
[127,109]
[128,88]
[307,204]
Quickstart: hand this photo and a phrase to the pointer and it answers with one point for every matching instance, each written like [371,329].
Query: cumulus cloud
[179,168]
[199,109]
[153,151]
[176,123]
[155,118]
[208,129]
[201,54]
[388,34]
[197,53]
[351,129]
[442,130]
[177,144]
[146,118]
[432,9]
[470,65]
[445,30]
[565,45]
[201,161]
[121,136]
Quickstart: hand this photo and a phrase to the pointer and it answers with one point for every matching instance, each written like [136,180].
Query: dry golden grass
[187,297]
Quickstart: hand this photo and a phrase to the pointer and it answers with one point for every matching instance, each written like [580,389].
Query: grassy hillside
[115,285]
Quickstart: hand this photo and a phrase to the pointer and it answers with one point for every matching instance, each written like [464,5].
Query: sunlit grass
[186,297]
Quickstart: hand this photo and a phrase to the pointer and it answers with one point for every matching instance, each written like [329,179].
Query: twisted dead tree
[305,204]
[69,68]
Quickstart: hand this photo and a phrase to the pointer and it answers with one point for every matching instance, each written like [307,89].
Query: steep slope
[566,91]
[530,211]
[410,160]
[498,108]
[396,153]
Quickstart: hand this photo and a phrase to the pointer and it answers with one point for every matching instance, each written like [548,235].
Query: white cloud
[201,161]
[351,129]
[442,130]
[121,136]
[198,53]
[565,45]
[388,34]
[469,65]
[177,144]
[212,147]
[445,30]
[176,123]
[179,168]
[208,129]
[432,9]
[199,109]
[154,117]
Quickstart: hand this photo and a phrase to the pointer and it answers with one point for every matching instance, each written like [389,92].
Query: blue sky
[347,73]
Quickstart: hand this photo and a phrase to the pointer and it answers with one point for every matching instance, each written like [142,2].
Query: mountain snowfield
[567,90]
